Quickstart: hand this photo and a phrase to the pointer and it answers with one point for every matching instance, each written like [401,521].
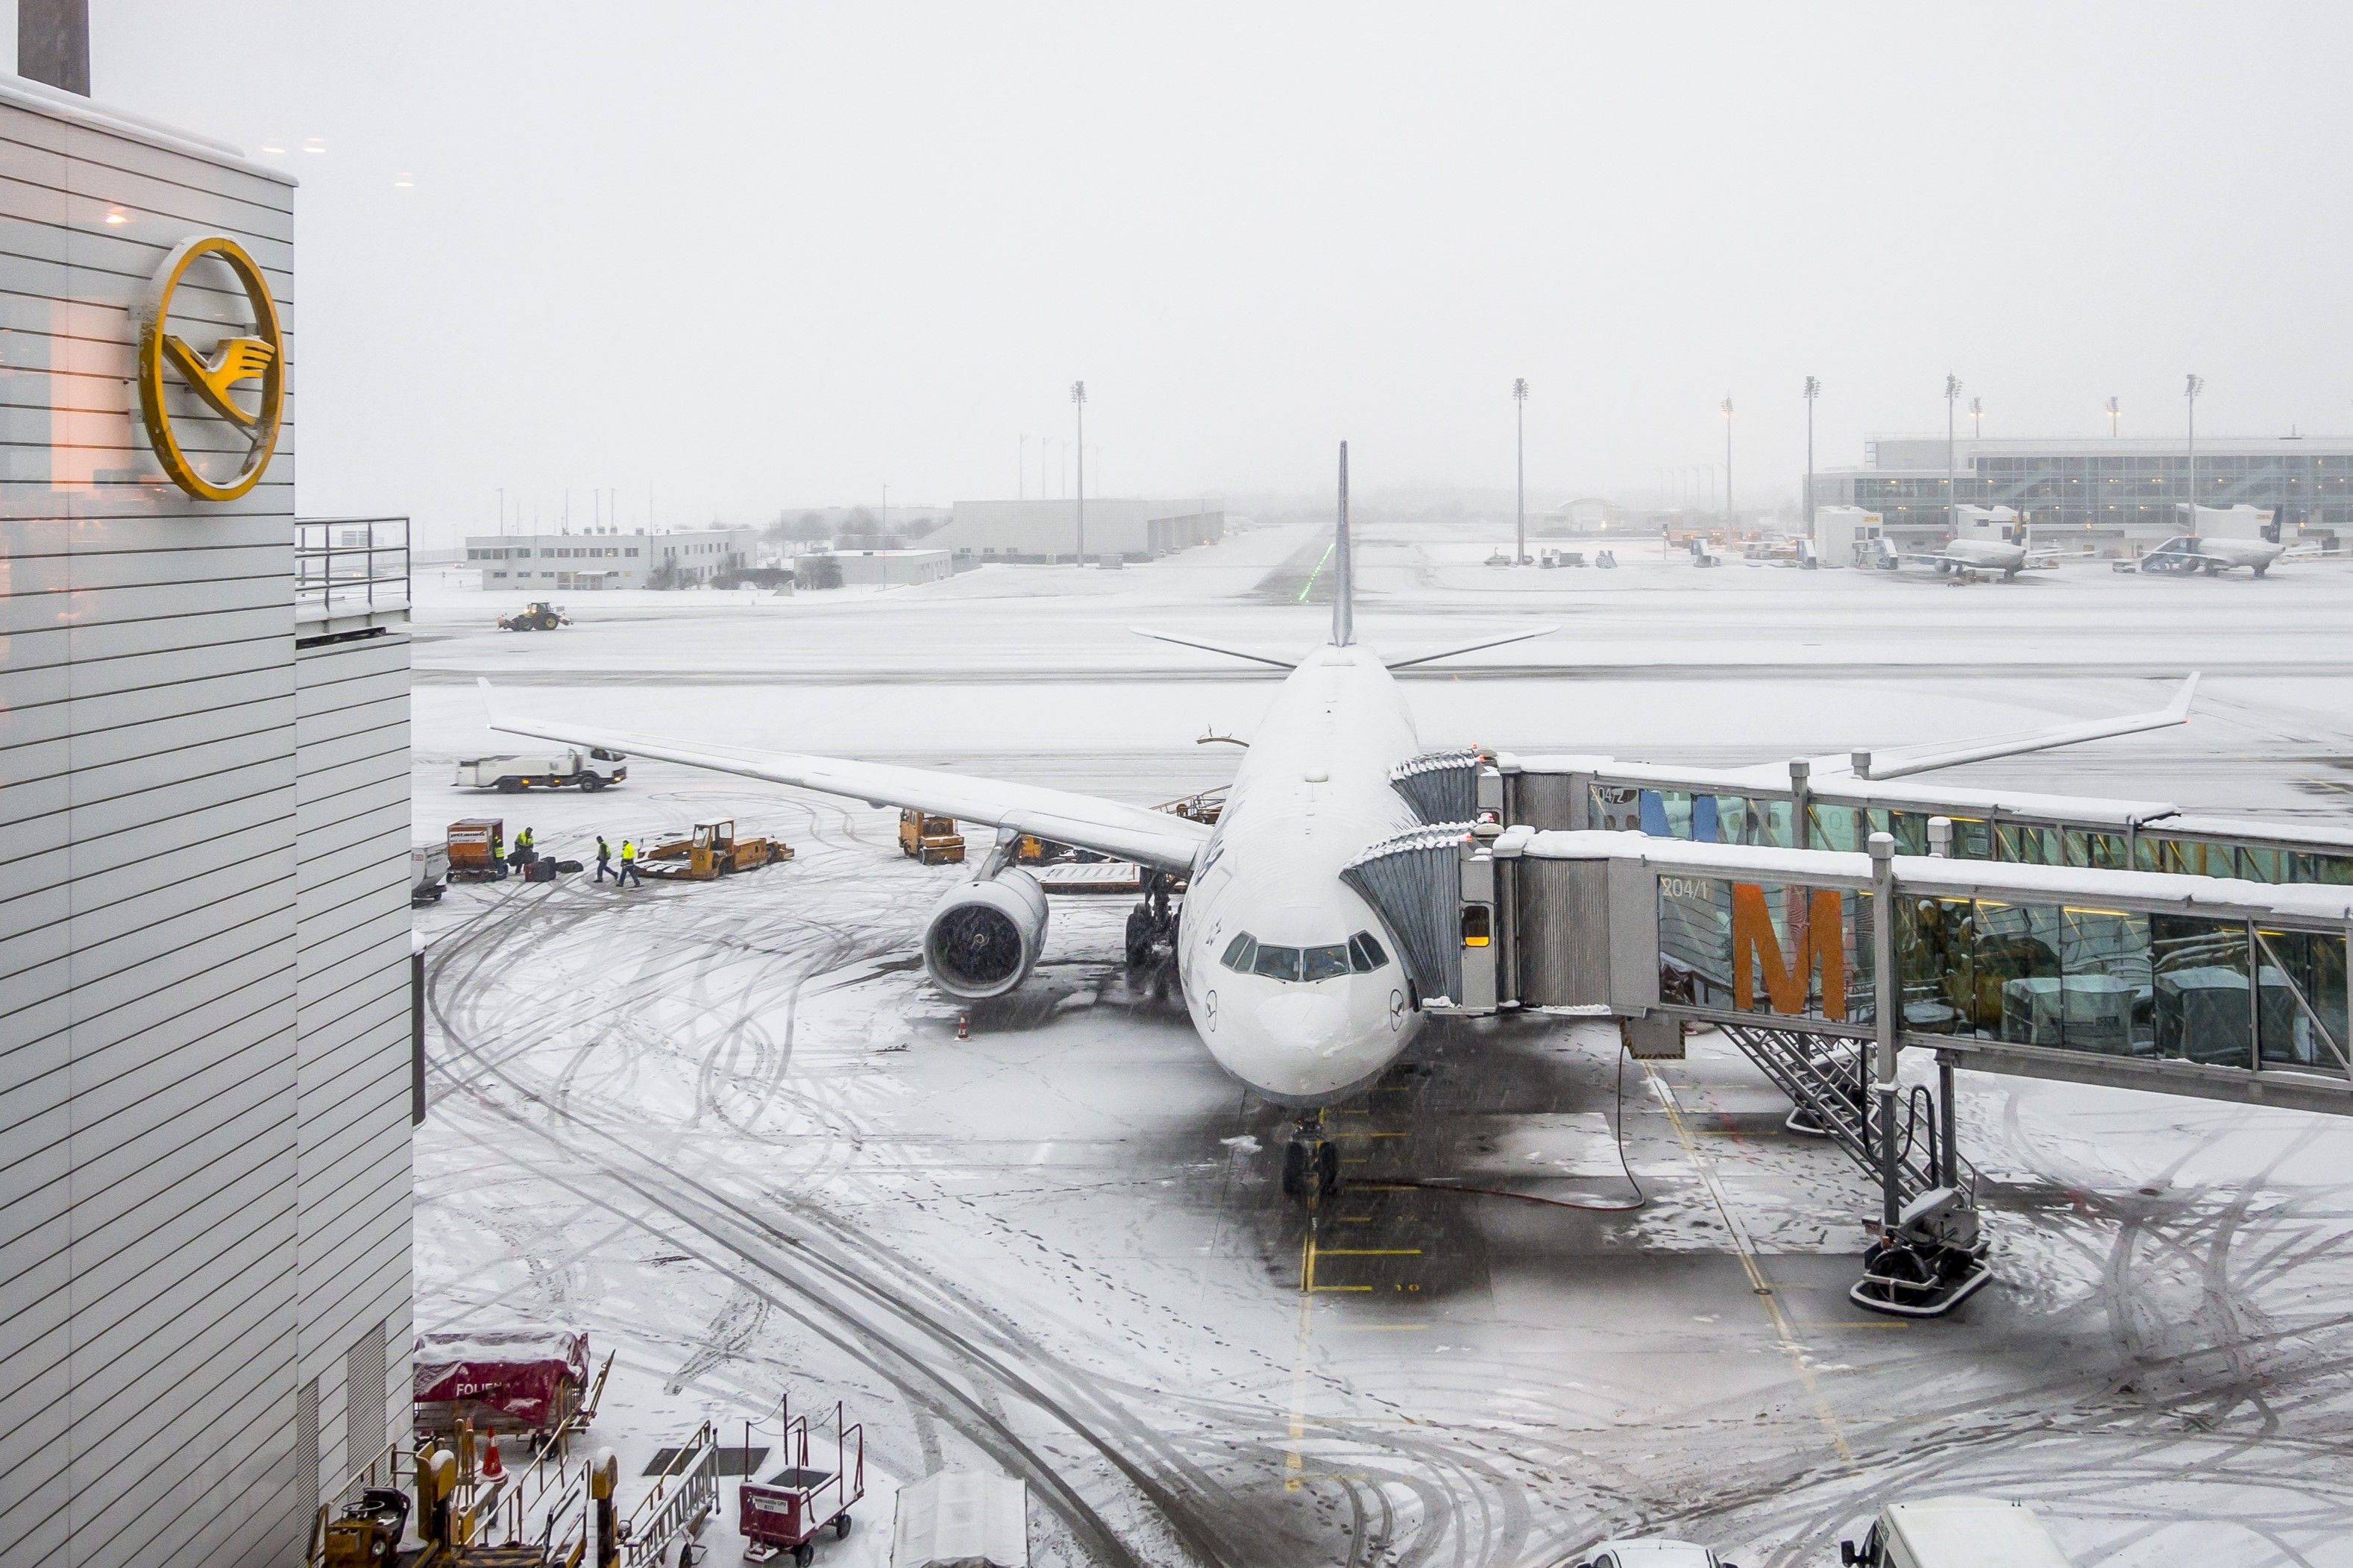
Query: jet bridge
[2033,935]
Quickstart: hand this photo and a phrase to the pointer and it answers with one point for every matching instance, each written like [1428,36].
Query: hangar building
[591,560]
[1040,530]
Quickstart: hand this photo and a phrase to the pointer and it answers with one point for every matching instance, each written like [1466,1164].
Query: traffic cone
[964,1026]
[491,1467]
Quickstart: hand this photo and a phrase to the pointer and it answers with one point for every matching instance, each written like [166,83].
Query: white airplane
[1972,556]
[2187,553]
[1292,978]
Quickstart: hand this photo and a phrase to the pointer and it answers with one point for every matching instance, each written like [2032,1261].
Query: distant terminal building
[1590,517]
[876,566]
[205,948]
[978,532]
[2112,496]
[591,561]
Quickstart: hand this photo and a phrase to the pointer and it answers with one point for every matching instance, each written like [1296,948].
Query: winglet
[2179,707]
[490,702]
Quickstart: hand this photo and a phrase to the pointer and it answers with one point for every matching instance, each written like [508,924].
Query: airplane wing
[1912,760]
[1137,833]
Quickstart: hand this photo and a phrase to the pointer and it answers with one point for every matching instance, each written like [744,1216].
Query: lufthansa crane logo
[234,391]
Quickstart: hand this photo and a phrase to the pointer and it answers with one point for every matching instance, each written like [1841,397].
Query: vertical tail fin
[1343,576]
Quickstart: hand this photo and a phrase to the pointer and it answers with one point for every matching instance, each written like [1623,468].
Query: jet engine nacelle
[984,937]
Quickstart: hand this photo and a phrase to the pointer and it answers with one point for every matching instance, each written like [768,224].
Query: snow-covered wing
[1109,827]
[1896,764]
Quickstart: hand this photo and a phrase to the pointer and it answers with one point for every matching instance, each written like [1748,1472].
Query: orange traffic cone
[964,1026]
[492,1468]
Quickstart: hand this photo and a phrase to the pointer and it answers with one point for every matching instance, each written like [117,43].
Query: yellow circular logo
[240,381]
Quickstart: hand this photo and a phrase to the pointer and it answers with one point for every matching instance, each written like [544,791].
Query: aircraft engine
[984,937]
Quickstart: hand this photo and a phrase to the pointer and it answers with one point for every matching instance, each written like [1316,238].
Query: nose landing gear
[1311,1161]
[1152,922]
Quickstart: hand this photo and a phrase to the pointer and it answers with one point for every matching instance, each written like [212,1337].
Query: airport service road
[729,1129]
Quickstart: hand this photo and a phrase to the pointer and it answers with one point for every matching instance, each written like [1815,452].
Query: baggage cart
[787,1512]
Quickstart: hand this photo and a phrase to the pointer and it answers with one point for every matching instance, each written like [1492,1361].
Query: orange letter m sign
[1814,930]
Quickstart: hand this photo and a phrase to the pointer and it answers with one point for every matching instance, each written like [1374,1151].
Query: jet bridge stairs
[2103,947]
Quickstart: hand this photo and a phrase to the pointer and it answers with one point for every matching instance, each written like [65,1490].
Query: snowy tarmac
[728,1129]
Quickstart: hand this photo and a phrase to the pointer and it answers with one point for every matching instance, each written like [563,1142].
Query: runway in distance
[1292,980]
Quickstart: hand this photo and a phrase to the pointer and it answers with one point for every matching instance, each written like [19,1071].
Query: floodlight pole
[1729,526]
[1976,419]
[1520,506]
[1813,390]
[1952,482]
[2196,385]
[1079,402]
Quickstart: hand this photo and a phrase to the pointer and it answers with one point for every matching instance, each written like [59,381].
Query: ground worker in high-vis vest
[629,864]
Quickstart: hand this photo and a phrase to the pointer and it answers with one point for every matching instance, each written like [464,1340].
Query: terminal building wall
[2114,497]
[177,1196]
[352,1001]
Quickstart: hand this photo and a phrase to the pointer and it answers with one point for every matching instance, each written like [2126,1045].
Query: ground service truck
[591,770]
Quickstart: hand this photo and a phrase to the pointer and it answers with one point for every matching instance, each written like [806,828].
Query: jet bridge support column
[1930,1255]
[1886,1013]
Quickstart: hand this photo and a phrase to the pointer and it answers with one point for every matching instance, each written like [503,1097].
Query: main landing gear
[1152,924]
[1311,1161]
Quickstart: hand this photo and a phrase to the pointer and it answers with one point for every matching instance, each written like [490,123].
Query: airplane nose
[1305,1020]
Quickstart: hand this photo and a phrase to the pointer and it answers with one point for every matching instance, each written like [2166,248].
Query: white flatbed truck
[590,770]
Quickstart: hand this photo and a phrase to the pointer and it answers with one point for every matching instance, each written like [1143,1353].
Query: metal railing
[351,565]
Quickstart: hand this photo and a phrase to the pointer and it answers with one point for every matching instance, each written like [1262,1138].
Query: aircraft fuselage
[1300,1015]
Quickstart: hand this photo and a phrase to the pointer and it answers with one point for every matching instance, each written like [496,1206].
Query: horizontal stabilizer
[1216,647]
[1471,647]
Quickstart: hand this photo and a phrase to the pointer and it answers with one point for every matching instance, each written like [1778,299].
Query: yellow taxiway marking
[1849,1323]
[1749,1263]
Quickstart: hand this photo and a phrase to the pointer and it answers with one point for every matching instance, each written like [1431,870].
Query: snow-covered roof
[2219,897]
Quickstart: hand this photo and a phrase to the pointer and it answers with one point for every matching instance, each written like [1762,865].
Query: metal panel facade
[201,1202]
[352,1013]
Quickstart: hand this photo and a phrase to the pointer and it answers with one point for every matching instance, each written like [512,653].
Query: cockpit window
[1277,962]
[1360,955]
[1326,962]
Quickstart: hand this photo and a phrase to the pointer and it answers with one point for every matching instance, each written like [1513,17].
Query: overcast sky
[737,258]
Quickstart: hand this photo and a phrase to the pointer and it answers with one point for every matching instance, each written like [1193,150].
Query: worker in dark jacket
[604,857]
[629,864]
